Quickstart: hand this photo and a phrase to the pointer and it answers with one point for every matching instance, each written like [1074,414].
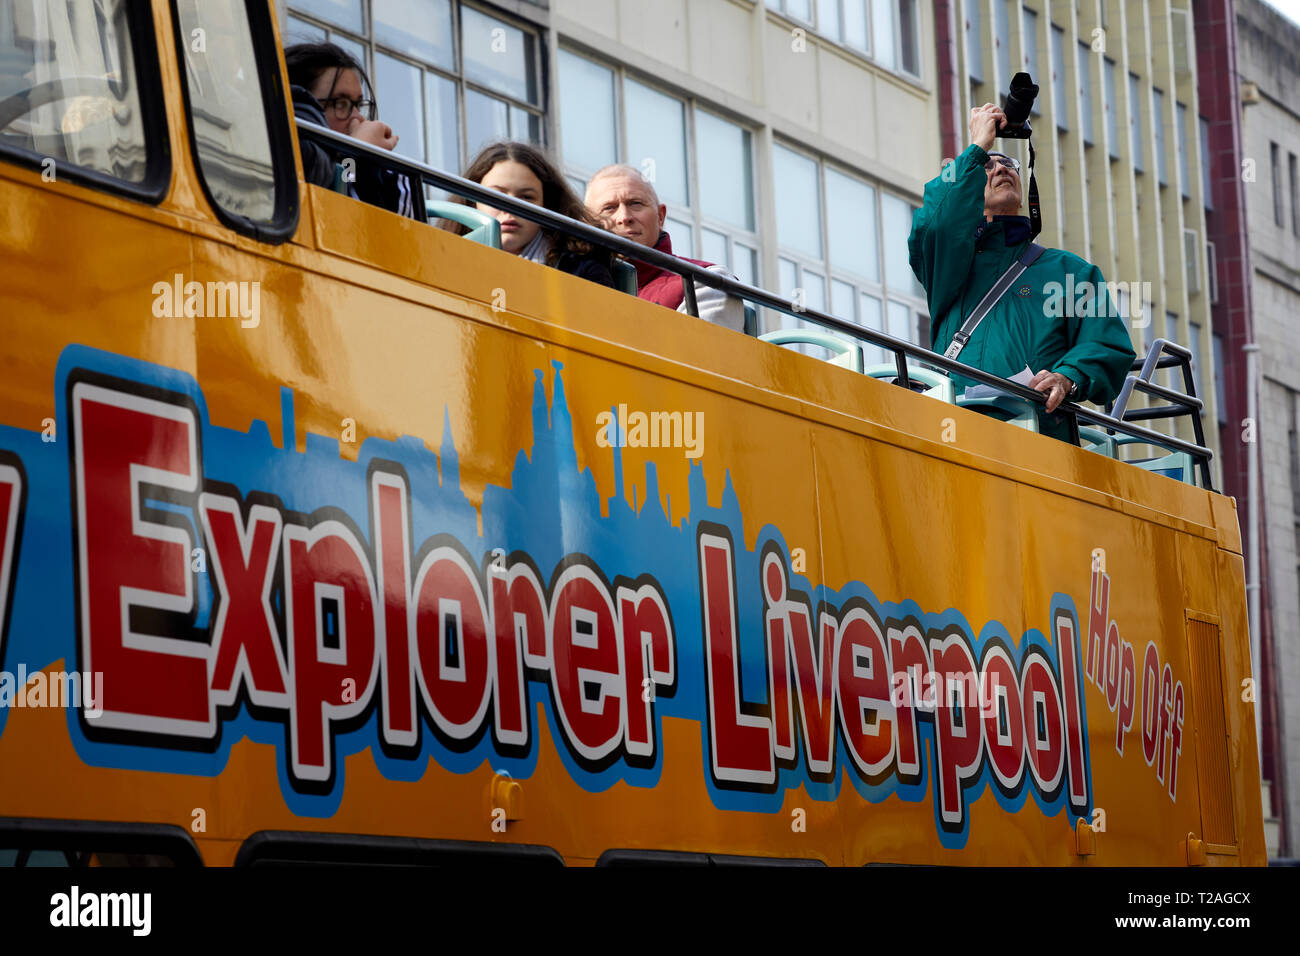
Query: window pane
[226,104]
[713,248]
[345,13]
[851,225]
[1205,164]
[498,55]
[1058,78]
[358,50]
[789,278]
[1173,376]
[744,263]
[656,140]
[726,171]
[100,128]
[586,113]
[683,236]
[842,295]
[882,28]
[896,219]
[1112,108]
[900,322]
[397,85]
[872,317]
[974,46]
[814,290]
[420,28]
[798,210]
[1085,91]
[525,127]
[1135,121]
[855,24]
[441,122]
[907,37]
[1002,40]
[1194,343]
[828,19]
[1220,396]
[1029,44]
[300,31]
[1184,156]
[1158,125]
[486,121]
[799,8]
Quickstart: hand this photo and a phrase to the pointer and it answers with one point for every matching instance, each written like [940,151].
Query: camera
[1019,101]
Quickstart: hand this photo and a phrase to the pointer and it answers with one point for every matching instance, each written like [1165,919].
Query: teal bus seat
[1094,439]
[847,354]
[482,227]
[340,180]
[751,320]
[1006,408]
[937,384]
[625,276]
[1177,465]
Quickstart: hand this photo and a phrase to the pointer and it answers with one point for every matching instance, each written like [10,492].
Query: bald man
[627,205]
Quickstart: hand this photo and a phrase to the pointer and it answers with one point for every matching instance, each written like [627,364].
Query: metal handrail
[669,263]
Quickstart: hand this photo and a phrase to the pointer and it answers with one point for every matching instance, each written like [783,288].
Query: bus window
[279,848]
[241,147]
[79,843]
[80,94]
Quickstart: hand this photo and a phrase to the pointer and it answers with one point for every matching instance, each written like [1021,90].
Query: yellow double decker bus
[327,535]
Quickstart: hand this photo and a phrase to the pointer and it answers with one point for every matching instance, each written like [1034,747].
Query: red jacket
[658,286]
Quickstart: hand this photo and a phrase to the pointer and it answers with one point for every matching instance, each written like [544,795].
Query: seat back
[625,276]
[751,320]
[937,384]
[846,354]
[1007,408]
[482,227]
[1094,439]
[1177,465]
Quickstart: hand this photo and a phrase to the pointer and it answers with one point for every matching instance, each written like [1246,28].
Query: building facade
[1268,62]
[791,140]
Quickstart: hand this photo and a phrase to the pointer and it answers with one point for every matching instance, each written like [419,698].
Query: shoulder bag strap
[995,294]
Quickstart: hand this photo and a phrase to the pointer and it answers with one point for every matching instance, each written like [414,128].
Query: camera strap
[991,298]
[1035,212]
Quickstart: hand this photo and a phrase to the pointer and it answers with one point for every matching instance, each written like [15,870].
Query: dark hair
[557,194]
[307,61]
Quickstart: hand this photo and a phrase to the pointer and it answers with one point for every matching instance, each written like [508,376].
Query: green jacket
[1036,323]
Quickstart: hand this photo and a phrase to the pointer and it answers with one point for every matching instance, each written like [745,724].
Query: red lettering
[957,735]
[910,670]
[333,620]
[1128,689]
[1098,615]
[586,673]
[1177,746]
[123,445]
[1004,729]
[1150,702]
[1071,691]
[741,744]
[645,629]
[1044,739]
[11,492]
[244,631]
[862,679]
[391,534]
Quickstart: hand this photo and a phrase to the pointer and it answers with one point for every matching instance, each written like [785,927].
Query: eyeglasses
[1007,161]
[342,107]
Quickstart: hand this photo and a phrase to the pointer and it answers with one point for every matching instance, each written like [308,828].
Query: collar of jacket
[645,272]
[1015,229]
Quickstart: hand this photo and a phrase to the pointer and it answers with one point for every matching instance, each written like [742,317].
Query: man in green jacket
[965,236]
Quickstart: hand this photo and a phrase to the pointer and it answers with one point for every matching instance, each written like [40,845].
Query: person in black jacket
[328,87]
[524,172]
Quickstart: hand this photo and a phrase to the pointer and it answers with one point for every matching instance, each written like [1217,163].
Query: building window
[886,30]
[974,41]
[1029,46]
[1220,392]
[1002,41]
[1184,158]
[1109,74]
[1158,126]
[1085,91]
[1205,163]
[609,117]
[1274,155]
[1295,194]
[1173,376]
[1058,78]
[1194,343]
[449,78]
[1135,121]
[844,255]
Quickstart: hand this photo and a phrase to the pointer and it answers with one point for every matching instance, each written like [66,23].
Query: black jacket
[377,186]
[594,266]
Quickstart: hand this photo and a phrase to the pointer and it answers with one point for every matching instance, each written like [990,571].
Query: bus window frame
[266,57]
[652,858]
[160,839]
[153,122]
